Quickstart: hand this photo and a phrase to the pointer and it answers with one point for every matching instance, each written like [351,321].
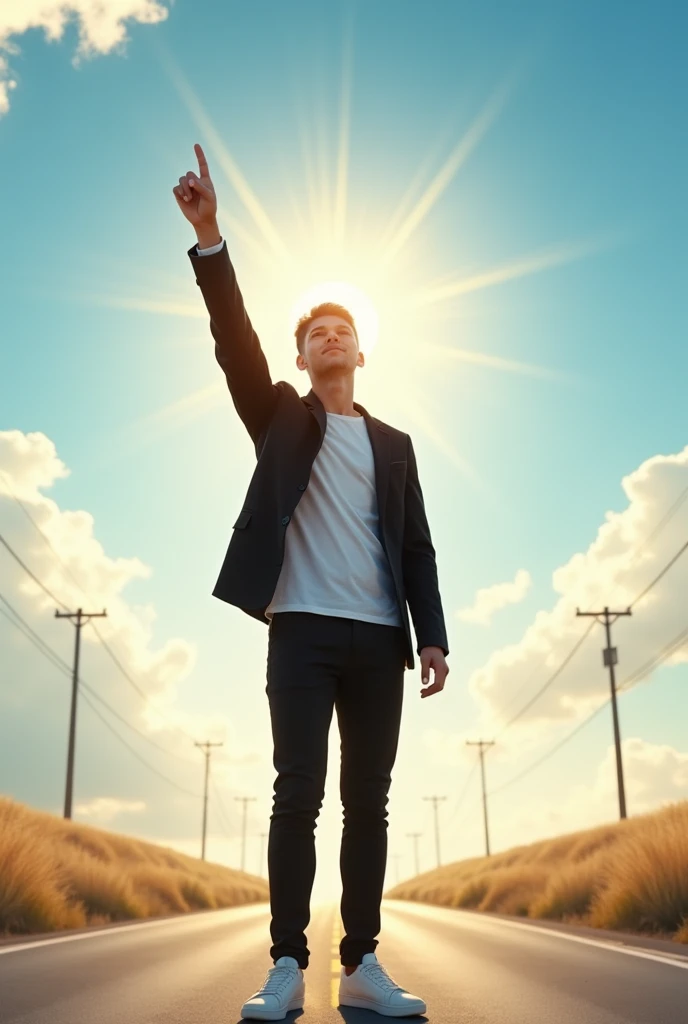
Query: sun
[352,298]
[331,242]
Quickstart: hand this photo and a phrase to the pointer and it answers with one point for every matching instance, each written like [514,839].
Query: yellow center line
[337,935]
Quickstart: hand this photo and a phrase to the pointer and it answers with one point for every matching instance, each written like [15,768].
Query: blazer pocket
[399,462]
[243,520]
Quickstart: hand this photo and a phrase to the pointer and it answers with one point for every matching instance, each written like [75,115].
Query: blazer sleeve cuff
[442,647]
[199,257]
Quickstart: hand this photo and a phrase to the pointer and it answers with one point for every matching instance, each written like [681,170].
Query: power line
[102,640]
[657,529]
[136,754]
[555,675]
[45,537]
[223,813]
[655,661]
[463,793]
[23,627]
[58,662]
[671,512]
[26,569]
[669,515]
[582,639]
[551,752]
[54,658]
[664,571]
[130,725]
[20,623]
[662,655]
[608,617]
[136,687]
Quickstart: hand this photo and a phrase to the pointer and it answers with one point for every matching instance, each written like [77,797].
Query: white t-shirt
[334,562]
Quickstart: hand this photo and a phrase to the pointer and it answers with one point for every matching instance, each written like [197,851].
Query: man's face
[330,348]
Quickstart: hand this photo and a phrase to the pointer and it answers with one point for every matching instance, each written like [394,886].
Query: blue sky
[555,370]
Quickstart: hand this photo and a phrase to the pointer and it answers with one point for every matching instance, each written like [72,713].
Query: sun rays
[447,354]
[342,183]
[326,245]
[446,174]
[224,159]
[524,266]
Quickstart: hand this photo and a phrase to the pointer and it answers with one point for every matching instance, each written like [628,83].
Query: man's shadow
[352,1015]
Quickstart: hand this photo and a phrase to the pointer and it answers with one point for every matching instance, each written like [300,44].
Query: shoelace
[276,979]
[378,974]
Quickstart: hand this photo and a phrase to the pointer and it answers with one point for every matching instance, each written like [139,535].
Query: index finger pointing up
[202,162]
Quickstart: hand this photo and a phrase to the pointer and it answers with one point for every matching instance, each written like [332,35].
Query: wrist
[207,235]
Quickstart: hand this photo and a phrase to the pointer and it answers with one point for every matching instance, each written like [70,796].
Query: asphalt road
[468,968]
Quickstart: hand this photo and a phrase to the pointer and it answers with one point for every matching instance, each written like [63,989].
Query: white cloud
[105,809]
[626,555]
[30,461]
[489,600]
[654,775]
[100,25]
[34,693]
[74,567]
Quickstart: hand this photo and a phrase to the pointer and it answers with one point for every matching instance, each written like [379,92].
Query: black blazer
[287,432]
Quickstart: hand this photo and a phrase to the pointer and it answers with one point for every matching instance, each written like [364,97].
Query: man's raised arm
[237,348]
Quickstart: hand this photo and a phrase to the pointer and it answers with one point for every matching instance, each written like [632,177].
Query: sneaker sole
[386,1011]
[252,1014]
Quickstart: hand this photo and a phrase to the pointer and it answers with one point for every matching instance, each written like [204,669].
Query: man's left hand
[433,658]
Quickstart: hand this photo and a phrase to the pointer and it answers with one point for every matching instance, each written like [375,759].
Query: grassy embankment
[631,876]
[56,874]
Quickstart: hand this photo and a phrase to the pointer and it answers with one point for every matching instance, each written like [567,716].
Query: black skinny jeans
[317,663]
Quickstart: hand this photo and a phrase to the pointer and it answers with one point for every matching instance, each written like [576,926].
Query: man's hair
[323,309]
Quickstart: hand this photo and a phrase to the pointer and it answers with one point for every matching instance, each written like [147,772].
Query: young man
[331,544]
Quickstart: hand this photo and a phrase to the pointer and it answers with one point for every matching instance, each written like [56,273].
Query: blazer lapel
[379,442]
[316,407]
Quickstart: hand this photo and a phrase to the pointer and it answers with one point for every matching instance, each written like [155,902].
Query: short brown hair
[323,309]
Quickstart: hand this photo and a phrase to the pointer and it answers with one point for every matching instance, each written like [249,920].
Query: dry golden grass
[632,875]
[648,889]
[56,874]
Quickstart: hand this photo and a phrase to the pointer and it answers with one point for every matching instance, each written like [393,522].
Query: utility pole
[396,857]
[263,837]
[415,836]
[79,618]
[206,748]
[483,744]
[610,658]
[435,801]
[245,800]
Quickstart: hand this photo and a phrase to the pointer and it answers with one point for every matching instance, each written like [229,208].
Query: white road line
[672,959]
[39,943]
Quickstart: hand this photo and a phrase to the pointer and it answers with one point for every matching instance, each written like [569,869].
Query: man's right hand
[195,195]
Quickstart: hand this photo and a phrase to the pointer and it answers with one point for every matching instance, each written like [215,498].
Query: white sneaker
[371,987]
[283,990]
